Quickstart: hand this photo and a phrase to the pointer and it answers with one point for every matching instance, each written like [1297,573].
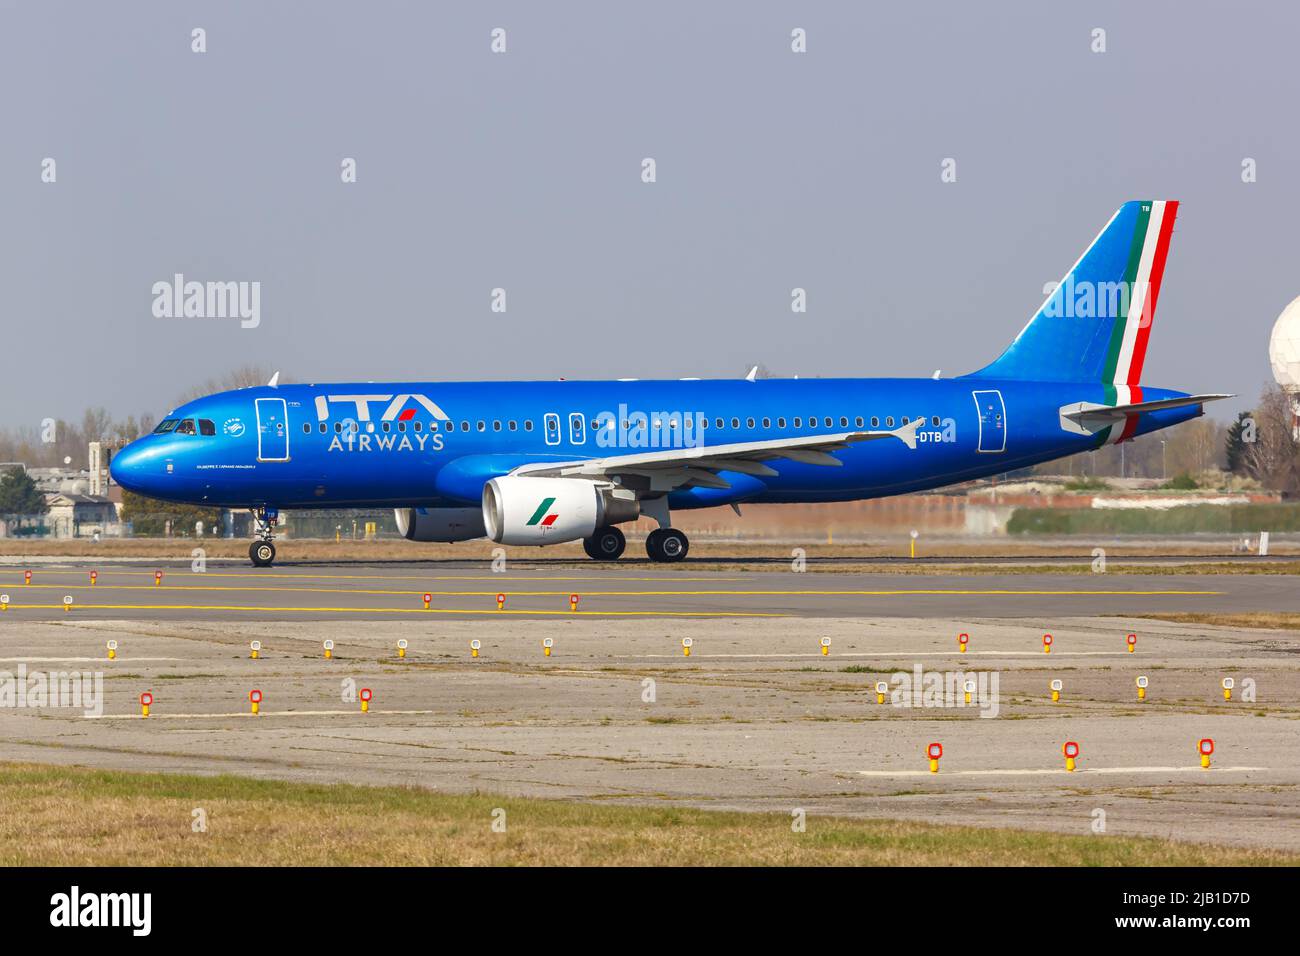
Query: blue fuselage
[425,444]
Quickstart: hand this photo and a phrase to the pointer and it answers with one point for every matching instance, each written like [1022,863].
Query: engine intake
[518,509]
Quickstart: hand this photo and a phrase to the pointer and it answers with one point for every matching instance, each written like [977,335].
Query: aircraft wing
[672,468]
[1099,416]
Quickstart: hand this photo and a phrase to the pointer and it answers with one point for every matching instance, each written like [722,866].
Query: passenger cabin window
[528,424]
[418,426]
[875,421]
[935,421]
[889,421]
[798,422]
[323,428]
[306,428]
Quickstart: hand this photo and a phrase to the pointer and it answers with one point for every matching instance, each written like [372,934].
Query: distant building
[73,515]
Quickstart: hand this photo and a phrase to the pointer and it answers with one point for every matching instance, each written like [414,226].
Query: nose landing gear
[262,551]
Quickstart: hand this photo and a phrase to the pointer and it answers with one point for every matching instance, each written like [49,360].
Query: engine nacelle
[440,524]
[522,510]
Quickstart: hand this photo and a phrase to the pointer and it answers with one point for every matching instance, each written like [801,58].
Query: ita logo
[543,516]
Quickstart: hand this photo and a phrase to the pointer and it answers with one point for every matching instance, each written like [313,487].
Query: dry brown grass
[80,817]
[1281,620]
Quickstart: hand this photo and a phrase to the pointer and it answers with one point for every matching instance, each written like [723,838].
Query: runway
[234,592]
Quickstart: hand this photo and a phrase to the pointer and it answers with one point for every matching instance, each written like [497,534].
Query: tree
[19,495]
[1273,458]
[149,516]
[1235,446]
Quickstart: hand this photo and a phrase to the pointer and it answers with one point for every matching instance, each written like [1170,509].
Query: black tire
[261,553]
[667,545]
[605,544]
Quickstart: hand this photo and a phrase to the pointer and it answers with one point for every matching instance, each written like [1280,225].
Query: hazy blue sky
[523,171]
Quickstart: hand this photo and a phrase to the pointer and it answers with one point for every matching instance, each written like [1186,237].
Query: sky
[523,171]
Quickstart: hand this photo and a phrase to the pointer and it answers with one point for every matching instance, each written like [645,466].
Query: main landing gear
[666,544]
[262,551]
[605,544]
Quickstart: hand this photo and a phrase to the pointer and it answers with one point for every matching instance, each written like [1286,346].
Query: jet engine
[518,509]
[439,524]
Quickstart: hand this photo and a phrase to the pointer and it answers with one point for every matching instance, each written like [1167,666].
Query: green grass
[60,816]
[1186,519]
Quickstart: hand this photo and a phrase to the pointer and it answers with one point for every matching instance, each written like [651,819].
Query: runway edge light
[1056,686]
[1071,751]
[1142,683]
[934,752]
[969,688]
[4,602]
[826,646]
[1228,684]
[501,602]
[402,645]
[428,599]
[1205,747]
[146,701]
[573,602]
[474,647]
[687,644]
[254,649]
[157,578]
[962,640]
[365,696]
[882,688]
[329,649]
[112,649]
[255,700]
[1132,640]
[1047,643]
[547,644]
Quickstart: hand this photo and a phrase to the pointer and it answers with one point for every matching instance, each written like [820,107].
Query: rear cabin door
[272,430]
[993,420]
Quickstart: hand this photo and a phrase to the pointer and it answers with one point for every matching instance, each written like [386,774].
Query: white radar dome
[1284,347]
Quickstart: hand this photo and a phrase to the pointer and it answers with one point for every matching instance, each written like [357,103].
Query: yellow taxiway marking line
[266,713]
[1045,771]
[713,592]
[391,610]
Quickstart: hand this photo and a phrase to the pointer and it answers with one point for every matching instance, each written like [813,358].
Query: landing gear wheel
[261,553]
[667,545]
[605,544]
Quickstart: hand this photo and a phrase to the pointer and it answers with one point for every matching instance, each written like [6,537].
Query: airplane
[540,463]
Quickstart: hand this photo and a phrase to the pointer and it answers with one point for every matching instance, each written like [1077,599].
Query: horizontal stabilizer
[1089,417]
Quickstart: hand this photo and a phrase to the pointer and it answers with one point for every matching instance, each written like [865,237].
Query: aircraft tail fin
[1095,324]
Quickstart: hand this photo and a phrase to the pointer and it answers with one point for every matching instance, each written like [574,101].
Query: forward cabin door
[993,420]
[272,430]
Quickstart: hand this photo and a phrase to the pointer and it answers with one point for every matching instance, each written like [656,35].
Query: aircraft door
[993,420]
[272,429]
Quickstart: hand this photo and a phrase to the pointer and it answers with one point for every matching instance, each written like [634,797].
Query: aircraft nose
[129,468]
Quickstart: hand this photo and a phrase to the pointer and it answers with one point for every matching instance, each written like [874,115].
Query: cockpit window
[206,427]
[165,426]
[186,427]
